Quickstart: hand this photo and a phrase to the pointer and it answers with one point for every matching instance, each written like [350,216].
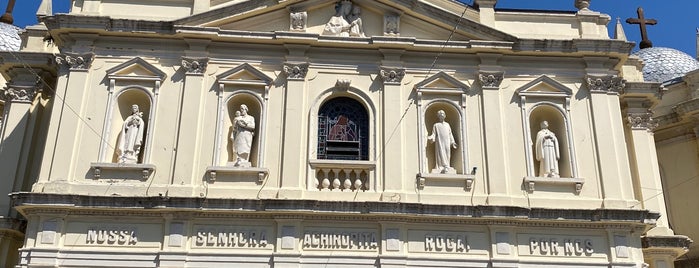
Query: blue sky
[677,19]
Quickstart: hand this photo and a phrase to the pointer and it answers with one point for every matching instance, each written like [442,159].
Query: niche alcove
[442,92]
[132,83]
[242,85]
[545,99]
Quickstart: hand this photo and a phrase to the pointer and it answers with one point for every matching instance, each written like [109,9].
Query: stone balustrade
[342,175]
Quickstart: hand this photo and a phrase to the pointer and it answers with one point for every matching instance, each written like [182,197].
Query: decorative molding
[195,65]
[605,84]
[582,4]
[530,182]
[687,107]
[674,241]
[19,94]
[392,76]
[641,121]
[343,84]
[467,178]
[295,71]
[33,203]
[491,80]
[213,171]
[391,25]
[145,169]
[297,21]
[76,61]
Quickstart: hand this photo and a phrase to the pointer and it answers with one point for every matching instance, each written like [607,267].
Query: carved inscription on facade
[111,236]
[231,238]
[554,247]
[446,243]
[326,239]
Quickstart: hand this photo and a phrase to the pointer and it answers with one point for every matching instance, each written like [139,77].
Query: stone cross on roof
[642,21]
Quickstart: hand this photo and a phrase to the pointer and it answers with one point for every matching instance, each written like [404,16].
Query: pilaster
[486,9]
[611,153]
[593,25]
[392,73]
[490,78]
[294,157]
[190,120]
[18,96]
[200,6]
[637,100]
[69,108]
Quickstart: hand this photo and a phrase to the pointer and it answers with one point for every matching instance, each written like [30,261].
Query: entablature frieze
[170,30]
[109,206]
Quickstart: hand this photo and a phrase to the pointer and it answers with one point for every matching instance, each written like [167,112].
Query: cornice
[679,242]
[38,60]
[501,42]
[33,203]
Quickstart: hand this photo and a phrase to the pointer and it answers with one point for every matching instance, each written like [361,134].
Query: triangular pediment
[441,81]
[424,20]
[244,74]
[544,86]
[136,68]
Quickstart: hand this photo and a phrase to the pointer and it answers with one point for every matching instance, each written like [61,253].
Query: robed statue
[443,140]
[131,138]
[547,152]
[346,21]
[243,132]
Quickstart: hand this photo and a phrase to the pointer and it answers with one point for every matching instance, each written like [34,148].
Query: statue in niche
[243,131]
[443,140]
[131,138]
[547,152]
[346,21]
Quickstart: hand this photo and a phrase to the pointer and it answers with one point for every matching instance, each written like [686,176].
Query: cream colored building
[676,133]
[342,170]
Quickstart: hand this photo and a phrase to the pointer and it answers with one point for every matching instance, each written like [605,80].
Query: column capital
[392,76]
[641,121]
[195,66]
[19,94]
[490,80]
[75,61]
[605,83]
[295,71]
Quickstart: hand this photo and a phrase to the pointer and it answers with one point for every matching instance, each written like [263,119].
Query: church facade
[313,133]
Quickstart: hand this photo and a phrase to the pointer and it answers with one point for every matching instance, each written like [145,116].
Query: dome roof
[663,64]
[9,37]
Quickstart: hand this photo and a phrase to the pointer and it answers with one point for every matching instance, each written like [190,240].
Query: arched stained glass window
[343,130]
